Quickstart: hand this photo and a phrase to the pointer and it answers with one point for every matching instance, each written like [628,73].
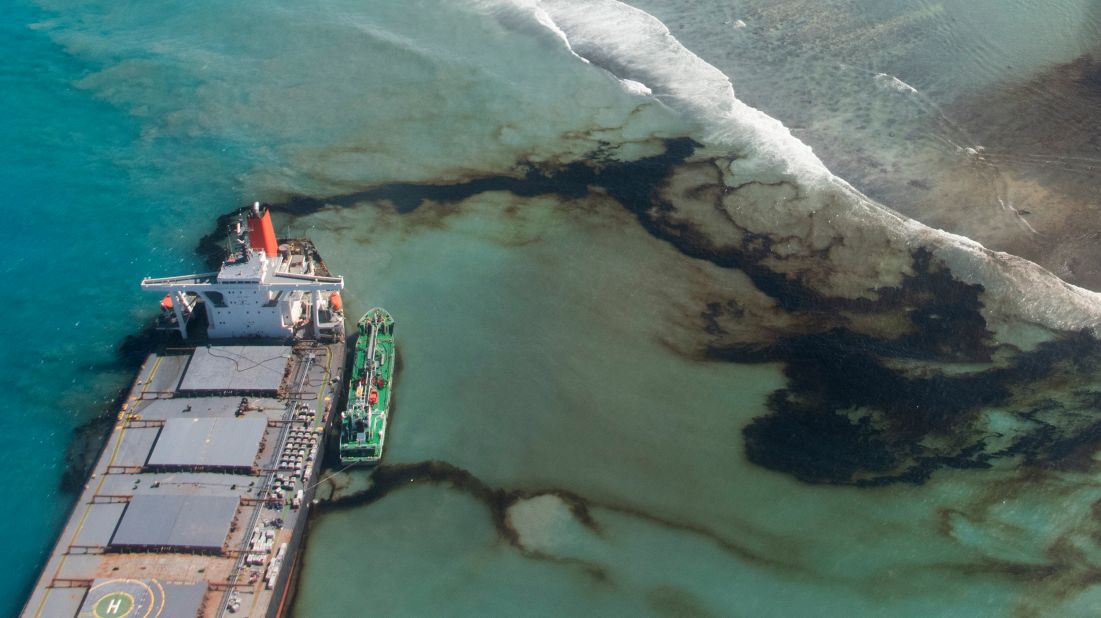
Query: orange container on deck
[261,234]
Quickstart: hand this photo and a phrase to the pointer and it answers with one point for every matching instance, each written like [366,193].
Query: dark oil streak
[89,438]
[388,479]
[833,369]
[807,437]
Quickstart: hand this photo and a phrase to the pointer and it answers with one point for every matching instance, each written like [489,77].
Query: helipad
[142,598]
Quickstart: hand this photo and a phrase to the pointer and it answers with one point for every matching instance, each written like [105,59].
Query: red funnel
[261,234]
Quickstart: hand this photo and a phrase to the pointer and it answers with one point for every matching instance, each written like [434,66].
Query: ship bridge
[263,289]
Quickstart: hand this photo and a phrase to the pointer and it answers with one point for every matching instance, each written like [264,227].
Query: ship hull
[198,503]
[106,552]
[370,391]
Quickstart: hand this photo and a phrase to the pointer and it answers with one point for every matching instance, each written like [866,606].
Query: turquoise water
[91,208]
[658,376]
[59,180]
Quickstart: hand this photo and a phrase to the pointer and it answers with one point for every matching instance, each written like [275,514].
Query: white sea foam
[634,45]
[893,83]
[634,87]
[546,21]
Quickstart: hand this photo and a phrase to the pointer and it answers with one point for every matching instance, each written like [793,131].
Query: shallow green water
[573,379]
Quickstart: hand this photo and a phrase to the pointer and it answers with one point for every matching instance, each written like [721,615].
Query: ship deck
[194,503]
[363,425]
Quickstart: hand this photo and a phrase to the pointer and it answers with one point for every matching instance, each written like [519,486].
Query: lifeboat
[166,302]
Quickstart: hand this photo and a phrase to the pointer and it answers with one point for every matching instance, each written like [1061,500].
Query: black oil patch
[212,246]
[847,418]
[83,450]
[89,438]
[848,414]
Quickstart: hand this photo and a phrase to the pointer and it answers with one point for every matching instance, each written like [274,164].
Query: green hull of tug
[363,424]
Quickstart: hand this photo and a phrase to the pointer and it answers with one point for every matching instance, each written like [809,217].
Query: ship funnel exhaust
[261,233]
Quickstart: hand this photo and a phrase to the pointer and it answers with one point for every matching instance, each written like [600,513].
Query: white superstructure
[263,289]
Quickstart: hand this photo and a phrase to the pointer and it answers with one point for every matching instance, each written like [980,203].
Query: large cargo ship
[198,503]
[363,423]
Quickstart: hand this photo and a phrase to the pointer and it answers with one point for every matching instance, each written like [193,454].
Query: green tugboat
[363,426]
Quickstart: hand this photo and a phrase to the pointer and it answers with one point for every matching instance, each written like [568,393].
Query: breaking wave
[770,184]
